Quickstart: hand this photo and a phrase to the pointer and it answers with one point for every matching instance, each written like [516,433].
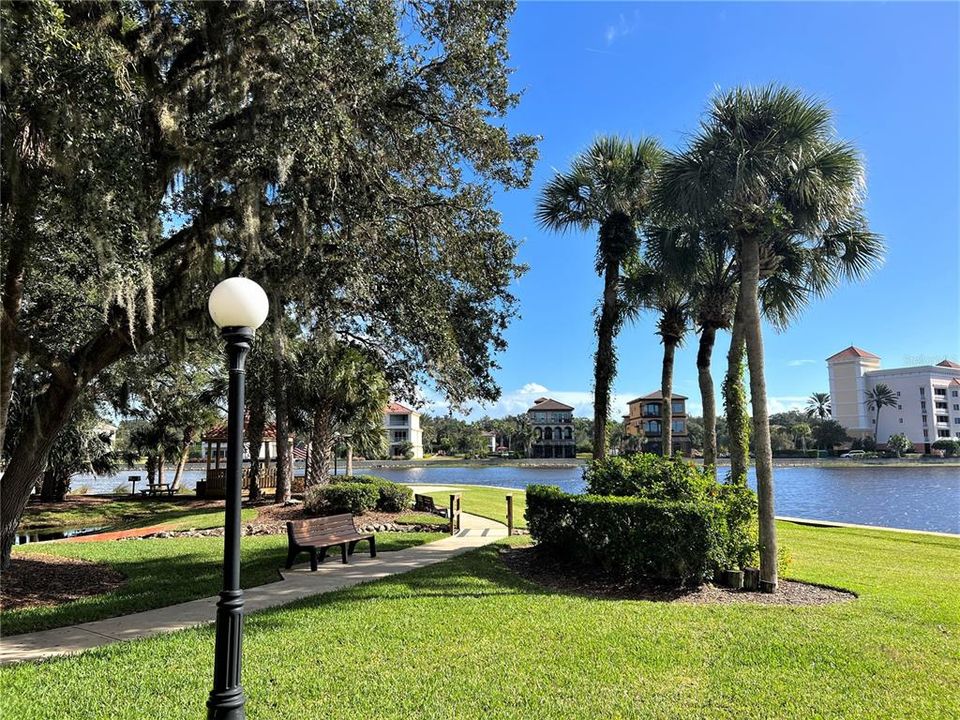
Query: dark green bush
[341,497]
[391,496]
[631,537]
[648,516]
[647,475]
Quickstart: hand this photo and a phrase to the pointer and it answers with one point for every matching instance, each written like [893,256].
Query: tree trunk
[876,425]
[20,236]
[666,404]
[321,441]
[749,307]
[54,486]
[735,404]
[255,427]
[605,361]
[188,434]
[29,458]
[161,463]
[708,337]
[284,454]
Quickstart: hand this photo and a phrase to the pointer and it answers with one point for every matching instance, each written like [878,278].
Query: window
[954,393]
[678,407]
[956,407]
[943,419]
[943,433]
[398,420]
[899,407]
[925,434]
[923,404]
[921,392]
[898,393]
[941,405]
[399,435]
[901,421]
[651,410]
[679,426]
[956,421]
[924,418]
[940,392]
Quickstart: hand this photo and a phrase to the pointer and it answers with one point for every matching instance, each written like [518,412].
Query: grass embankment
[80,512]
[486,502]
[166,571]
[499,647]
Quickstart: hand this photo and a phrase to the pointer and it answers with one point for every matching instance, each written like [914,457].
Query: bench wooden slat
[319,534]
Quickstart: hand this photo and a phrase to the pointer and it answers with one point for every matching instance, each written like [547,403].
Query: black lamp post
[238,306]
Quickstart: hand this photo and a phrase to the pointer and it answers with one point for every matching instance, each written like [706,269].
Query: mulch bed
[532,564]
[36,580]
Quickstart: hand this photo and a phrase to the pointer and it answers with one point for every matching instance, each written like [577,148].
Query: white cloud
[624,26]
[798,363]
[785,403]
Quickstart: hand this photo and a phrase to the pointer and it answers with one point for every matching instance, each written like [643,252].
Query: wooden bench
[319,534]
[424,503]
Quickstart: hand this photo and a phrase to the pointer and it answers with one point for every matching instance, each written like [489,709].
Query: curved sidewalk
[296,584]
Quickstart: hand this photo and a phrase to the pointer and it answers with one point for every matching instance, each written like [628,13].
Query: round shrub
[336,498]
[391,496]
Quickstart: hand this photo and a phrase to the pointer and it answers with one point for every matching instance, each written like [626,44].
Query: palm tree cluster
[760,213]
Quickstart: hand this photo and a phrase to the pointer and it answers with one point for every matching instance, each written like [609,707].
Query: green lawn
[116,514]
[486,502]
[166,571]
[499,647]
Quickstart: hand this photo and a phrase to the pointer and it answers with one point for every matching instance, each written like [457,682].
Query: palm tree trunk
[605,361]
[704,354]
[321,441]
[876,425]
[735,405]
[748,307]
[666,405]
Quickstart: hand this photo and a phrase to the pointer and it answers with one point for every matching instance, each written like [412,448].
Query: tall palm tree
[606,187]
[818,406]
[765,165]
[879,397]
[661,282]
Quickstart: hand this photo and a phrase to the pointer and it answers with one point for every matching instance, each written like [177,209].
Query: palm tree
[661,283]
[818,406]
[766,166]
[801,431]
[606,187]
[879,397]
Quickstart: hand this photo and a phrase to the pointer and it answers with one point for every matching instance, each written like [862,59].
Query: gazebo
[214,448]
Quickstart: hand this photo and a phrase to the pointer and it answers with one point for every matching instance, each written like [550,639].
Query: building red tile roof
[948,364]
[549,404]
[853,352]
[395,408]
[658,395]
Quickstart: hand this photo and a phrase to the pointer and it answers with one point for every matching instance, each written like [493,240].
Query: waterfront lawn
[83,511]
[486,502]
[467,637]
[165,571]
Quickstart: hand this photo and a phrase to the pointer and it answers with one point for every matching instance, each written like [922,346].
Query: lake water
[923,498]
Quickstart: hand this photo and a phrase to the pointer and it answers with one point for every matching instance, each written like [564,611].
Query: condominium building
[928,398]
[644,424]
[551,423]
[402,425]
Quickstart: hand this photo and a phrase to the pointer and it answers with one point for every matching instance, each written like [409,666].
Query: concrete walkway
[297,583]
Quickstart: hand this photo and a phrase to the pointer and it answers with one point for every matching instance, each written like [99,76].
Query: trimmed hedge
[657,518]
[391,496]
[337,498]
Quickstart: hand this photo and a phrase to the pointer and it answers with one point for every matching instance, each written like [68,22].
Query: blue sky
[890,73]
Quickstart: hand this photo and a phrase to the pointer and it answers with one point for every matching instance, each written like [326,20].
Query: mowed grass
[467,638]
[486,502]
[167,571]
[79,512]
